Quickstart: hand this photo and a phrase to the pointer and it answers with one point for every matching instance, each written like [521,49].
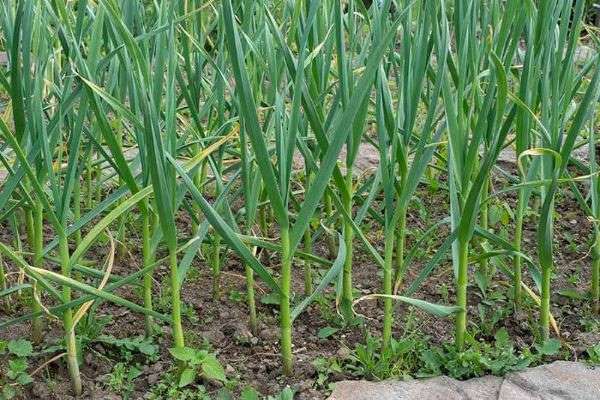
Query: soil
[253,360]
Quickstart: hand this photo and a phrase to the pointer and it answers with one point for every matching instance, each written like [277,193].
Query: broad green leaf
[249,394]
[187,376]
[183,353]
[20,347]
[212,369]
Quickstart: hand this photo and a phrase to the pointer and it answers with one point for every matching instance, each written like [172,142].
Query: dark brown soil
[253,360]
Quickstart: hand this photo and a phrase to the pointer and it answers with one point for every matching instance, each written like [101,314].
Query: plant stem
[545,255]
[308,276]
[401,235]
[199,178]
[387,288]
[148,259]
[250,300]
[178,340]
[28,216]
[262,220]
[38,244]
[400,245]
[28,221]
[461,292]
[98,178]
[262,215]
[77,208]
[3,284]
[70,341]
[331,247]
[596,274]
[484,223]
[346,301]
[215,261]
[517,296]
[284,306]
[122,249]
[545,303]
[2,274]
[88,182]
[14,223]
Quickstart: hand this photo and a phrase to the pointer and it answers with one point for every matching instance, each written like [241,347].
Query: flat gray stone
[557,381]
[560,380]
[440,388]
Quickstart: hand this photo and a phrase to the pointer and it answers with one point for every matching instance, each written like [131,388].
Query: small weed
[480,358]
[594,354]
[325,368]
[251,394]
[121,379]
[399,360]
[14,376]
[197,362]
[168,388]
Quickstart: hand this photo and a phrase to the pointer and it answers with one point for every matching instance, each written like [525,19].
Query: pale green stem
[262,220]
[517,245]
[28,221]
[199,179]
[387,288]
[77,208]
[308,276]
[2,274]
[461,293]
[3,282]
[215,261]
[250,300]
[148,259]
[330,238]
[284,306]
[70,341]
[545,303]
[401,237]
[98,176]
[89,191]
[484,222]
[177,328]
[400,245]
[596,274]
[38,244]
[346,301]
[262,215]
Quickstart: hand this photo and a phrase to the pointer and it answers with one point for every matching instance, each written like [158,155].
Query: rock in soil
[560,380]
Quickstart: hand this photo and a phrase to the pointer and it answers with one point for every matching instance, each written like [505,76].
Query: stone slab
[560,380]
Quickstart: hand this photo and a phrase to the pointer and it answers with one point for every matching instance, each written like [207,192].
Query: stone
[439,388]
[560,380]
[269,334]
[153,379]
[214,336]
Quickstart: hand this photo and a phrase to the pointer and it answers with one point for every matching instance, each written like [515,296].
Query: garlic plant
[204,109]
